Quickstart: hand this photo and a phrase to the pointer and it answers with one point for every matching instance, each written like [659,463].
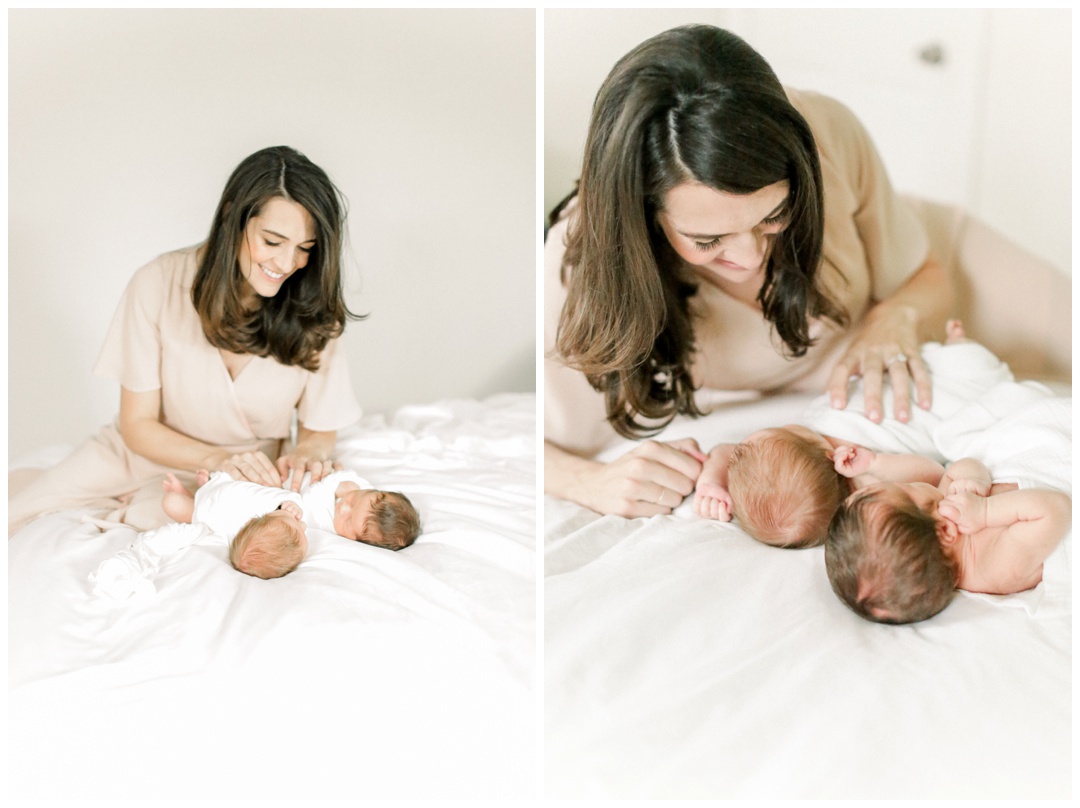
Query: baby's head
[784,487]
[887,554]
[381,518]
[271,545]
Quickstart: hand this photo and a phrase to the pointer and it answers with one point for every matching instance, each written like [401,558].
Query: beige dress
[156,342]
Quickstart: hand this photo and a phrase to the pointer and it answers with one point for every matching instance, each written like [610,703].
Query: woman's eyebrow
[286,238]
[707,237]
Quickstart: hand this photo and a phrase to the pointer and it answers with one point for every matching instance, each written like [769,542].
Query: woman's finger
[872,391]
[690,446]
[268,469]
[838,384]
[676,460]
[900,381]
[921,377]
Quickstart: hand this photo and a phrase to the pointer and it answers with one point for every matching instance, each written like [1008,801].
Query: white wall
[124,126]
[986,128]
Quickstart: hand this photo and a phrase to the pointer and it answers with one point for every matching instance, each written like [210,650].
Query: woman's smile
[274,276]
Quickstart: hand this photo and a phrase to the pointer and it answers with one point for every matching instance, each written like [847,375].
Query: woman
[216,347]
[726,234]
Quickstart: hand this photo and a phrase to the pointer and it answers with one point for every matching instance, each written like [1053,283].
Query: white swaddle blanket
[961,373]
[1021,431]
[222,506]
[130,573]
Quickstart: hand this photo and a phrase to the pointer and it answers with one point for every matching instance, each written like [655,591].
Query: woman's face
[274,245]
[728,235]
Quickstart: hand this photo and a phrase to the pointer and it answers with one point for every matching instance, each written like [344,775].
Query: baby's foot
[172,485]
[954,332]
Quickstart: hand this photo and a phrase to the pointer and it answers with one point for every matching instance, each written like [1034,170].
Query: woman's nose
[748,249]
[284,261]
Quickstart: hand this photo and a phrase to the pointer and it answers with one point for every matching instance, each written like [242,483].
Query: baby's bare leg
[176,500]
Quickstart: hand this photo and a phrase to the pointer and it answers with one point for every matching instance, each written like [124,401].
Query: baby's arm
[711,497]
[865,466]
[1035,520]
[966,474]
[345,487]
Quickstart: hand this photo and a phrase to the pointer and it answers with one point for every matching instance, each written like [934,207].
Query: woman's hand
[888,342]
[255,467]
[651,479]
[299,462]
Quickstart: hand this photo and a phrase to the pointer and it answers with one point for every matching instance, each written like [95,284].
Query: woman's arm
[145,434]
[888,342]
[651,479]
[312,453]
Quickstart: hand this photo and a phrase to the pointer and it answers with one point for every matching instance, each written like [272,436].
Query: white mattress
[685,660]
[363,673]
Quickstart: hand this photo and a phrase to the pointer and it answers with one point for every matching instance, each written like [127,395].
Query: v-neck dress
[156,342]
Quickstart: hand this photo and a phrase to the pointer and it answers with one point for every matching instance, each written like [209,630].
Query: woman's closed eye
[771,221]
[269,243]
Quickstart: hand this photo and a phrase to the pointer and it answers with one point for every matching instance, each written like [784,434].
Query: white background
[125,124]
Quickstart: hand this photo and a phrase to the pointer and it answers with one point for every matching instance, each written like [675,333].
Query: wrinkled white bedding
[364,673]
[685,660]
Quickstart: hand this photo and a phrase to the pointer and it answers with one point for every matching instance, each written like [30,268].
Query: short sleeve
[893,238]
[131,353]
[328,402]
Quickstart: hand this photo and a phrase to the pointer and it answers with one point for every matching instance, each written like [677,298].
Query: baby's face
[351,511]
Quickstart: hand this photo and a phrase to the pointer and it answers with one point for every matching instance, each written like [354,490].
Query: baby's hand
[968,485]
[851,461]
[964,509]
[292,508]
[712,501]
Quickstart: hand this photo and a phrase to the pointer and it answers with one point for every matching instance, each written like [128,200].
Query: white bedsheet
[364,673]
[685,660]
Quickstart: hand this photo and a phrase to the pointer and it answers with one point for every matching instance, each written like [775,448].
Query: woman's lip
[728,265]
[266,272]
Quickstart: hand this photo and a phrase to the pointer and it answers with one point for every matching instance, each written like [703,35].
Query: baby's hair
[885,561]
[267,547]
[784,489]
[393,523]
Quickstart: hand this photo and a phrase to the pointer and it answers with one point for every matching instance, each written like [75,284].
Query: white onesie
[318,500]
[225,505]
[222,506]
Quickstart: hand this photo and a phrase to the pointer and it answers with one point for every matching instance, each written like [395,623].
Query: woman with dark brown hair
[217,347]
[730,234]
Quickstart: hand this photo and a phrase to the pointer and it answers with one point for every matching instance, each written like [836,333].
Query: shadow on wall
[518,375]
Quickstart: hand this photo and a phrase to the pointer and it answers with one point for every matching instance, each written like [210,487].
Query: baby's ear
[947,531]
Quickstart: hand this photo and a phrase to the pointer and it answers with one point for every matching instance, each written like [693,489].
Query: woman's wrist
[566,474]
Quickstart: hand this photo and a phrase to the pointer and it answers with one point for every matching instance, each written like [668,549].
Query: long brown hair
[294,325]
[693,104]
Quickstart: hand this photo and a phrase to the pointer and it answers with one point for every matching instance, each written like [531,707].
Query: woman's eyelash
[779,218]
[278,244]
